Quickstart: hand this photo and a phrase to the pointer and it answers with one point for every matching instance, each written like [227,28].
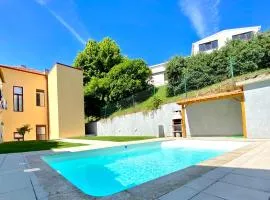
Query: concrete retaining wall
[214,118]
[257,101]
[145,124]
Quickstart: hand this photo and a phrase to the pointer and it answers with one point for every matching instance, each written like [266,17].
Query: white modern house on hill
[158,74]
[218,40]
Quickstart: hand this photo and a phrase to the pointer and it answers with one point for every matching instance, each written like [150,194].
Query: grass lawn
[115,138]
[25,146]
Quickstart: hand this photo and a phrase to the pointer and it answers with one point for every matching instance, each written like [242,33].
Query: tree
[97,58]
[24,129]
[174,72]
[127,78]
[108,75]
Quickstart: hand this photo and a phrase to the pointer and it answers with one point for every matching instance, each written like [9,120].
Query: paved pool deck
[240,174]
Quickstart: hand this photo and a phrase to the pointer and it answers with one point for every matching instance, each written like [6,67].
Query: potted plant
[23,130]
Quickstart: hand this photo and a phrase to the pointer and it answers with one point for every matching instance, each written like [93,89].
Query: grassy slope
[161,93]
[115,138]
[25,146]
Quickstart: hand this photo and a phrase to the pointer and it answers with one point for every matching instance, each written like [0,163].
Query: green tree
[127,78]
[174,72]
[97,58]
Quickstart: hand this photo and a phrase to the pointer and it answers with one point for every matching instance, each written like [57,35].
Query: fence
[131,101]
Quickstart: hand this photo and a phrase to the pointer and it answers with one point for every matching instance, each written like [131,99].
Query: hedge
[204,69]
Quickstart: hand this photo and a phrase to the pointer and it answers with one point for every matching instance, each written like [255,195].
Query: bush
[205,69]
[155,103]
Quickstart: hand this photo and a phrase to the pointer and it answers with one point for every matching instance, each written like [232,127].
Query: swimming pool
[107,171]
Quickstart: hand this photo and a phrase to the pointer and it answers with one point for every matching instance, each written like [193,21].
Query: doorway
[41,132]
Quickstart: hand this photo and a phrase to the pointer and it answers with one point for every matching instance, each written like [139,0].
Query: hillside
[160,94]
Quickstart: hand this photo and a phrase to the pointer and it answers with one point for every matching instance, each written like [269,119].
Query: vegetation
[161,93]
[25,146]
[238,57]
[24,129]
[108,75]
[115,138]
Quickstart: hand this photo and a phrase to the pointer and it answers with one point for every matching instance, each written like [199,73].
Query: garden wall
[152,123]
[257,101]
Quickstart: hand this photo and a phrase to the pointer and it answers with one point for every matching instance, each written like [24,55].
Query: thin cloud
[62,21]
[203,14]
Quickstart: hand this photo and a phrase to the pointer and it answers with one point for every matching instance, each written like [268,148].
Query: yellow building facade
[51,103]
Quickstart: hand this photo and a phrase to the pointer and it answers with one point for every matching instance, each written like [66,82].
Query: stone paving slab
[200,183]
[204,196]
[183,193]
[21,194]
[263,174]
[233,192]
[14,181]
[247,181]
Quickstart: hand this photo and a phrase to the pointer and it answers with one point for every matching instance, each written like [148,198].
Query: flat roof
[157,65]
[227,30]
[218,96]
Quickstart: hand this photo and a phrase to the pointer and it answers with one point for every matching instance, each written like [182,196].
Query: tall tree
[97,58]
[108,75]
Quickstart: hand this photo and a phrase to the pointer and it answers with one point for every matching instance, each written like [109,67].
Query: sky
[38,33]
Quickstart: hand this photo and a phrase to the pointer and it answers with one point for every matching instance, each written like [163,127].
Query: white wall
[214,118]
[257,102]
[136,124]
[222,37]
[158,74]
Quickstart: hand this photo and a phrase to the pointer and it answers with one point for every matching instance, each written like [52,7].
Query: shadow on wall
[91,128]
[214,118]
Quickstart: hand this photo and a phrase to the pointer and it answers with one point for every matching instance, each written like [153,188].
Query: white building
[158,74]
[218,40]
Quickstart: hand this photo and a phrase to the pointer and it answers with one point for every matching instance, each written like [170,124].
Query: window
[243,36]
[41,132]
[40,98]
[18,99]
[208,46]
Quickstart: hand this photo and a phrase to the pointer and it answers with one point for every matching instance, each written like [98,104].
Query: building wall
[66,103]
[257,103]
[158,79]
[147,124]
[214,118]
[32,114]
[222,37]
[158,74]
[53,104]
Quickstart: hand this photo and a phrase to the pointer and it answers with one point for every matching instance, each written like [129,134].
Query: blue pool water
[107,171]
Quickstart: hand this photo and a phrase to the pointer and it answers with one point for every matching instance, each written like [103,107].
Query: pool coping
[55,186]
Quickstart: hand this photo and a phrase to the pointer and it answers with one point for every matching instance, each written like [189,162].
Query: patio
[241,174]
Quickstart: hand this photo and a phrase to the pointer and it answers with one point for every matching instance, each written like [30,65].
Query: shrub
[155,103]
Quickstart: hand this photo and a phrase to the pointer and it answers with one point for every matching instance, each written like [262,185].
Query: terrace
[243,173]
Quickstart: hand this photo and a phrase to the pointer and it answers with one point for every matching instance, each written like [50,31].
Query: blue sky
[38,33]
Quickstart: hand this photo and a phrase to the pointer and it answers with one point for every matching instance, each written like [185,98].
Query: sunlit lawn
[25,146]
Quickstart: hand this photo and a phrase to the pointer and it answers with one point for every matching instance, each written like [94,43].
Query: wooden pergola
[237,95]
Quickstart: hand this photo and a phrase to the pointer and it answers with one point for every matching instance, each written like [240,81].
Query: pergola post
[244,120]
[184,133]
